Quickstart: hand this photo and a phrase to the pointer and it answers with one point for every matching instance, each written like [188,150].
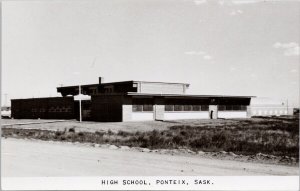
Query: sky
[232,47]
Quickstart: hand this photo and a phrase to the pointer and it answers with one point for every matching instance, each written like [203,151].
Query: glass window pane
[169,107]
[204,107]
[177,107]
[148,108]
[196,107]
[243,107]
[236,107]
[187,107]
[221,107]
[228,107]
[136,108]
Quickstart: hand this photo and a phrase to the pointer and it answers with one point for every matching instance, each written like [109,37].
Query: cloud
[290,49]
[232,69]
[221,2]
[238,12]
[204,55]
[244,1]
[199,2]
[195,52]
[240,2]
[293,71]
[207,57]
[253,75]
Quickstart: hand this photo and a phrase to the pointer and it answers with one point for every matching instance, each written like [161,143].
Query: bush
[80,134]
[100,134]
[72,130]
[178,140]
[123,133]
[109,132]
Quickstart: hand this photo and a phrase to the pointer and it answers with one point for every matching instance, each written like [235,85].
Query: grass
[277,136]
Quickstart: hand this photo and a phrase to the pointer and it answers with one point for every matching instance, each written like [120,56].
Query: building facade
[141,100]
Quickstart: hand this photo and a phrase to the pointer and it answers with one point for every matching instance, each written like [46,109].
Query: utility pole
[80,116]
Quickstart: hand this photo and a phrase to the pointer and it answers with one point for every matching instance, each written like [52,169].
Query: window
[142,104]
[147,107]
[169,107]
[140,108]
[187,107]
[228,107]
[243,107]
[177,107]
[136,108]
[221,107]
[204,107]
[236,107]
[196,107]
[232,107]
[109,89]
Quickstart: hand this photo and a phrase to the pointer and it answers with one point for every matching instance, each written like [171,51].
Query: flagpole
[80,115]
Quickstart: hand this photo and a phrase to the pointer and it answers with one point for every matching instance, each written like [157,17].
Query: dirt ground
[24,158]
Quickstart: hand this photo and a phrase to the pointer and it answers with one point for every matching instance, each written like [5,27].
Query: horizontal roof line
[120,82]
[185,95]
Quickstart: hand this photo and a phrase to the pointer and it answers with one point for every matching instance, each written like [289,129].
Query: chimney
[101,79]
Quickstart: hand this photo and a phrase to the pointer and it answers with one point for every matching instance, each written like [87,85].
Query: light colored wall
[266,111]
[232,114]
[142,116]
[215,109]
[159,109]
[164,88]
[186,115]
[159,112]
[126,114]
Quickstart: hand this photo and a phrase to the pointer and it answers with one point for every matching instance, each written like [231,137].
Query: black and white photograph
[150,94]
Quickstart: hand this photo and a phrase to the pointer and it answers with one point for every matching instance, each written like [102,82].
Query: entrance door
[213,111]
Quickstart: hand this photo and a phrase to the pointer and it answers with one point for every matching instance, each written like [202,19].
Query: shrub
[100,134]
[72,130]
[58,133]
[123,133]
[80,134]
[178,140]
[109,132]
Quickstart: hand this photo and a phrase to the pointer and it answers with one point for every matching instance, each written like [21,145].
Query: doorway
[213,111]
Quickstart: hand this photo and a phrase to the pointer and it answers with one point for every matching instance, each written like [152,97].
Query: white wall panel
[232,114]
[142,116]
[186,115]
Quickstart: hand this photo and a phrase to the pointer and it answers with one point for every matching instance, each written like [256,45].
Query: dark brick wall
[43,108]
[107,108]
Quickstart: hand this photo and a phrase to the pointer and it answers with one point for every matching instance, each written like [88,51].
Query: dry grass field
[278,136]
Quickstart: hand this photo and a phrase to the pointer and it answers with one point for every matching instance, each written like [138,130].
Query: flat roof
[186,95]
[120,82]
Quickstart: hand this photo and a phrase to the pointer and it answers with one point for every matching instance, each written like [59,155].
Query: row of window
[52,109]
[232,107]
[186,108]
[148,107]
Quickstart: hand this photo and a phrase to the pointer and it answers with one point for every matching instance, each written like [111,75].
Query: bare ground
[24,158]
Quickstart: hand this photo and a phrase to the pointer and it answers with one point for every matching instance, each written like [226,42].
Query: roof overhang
[184,95]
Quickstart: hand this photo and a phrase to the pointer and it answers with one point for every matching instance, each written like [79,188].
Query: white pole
[80,117]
